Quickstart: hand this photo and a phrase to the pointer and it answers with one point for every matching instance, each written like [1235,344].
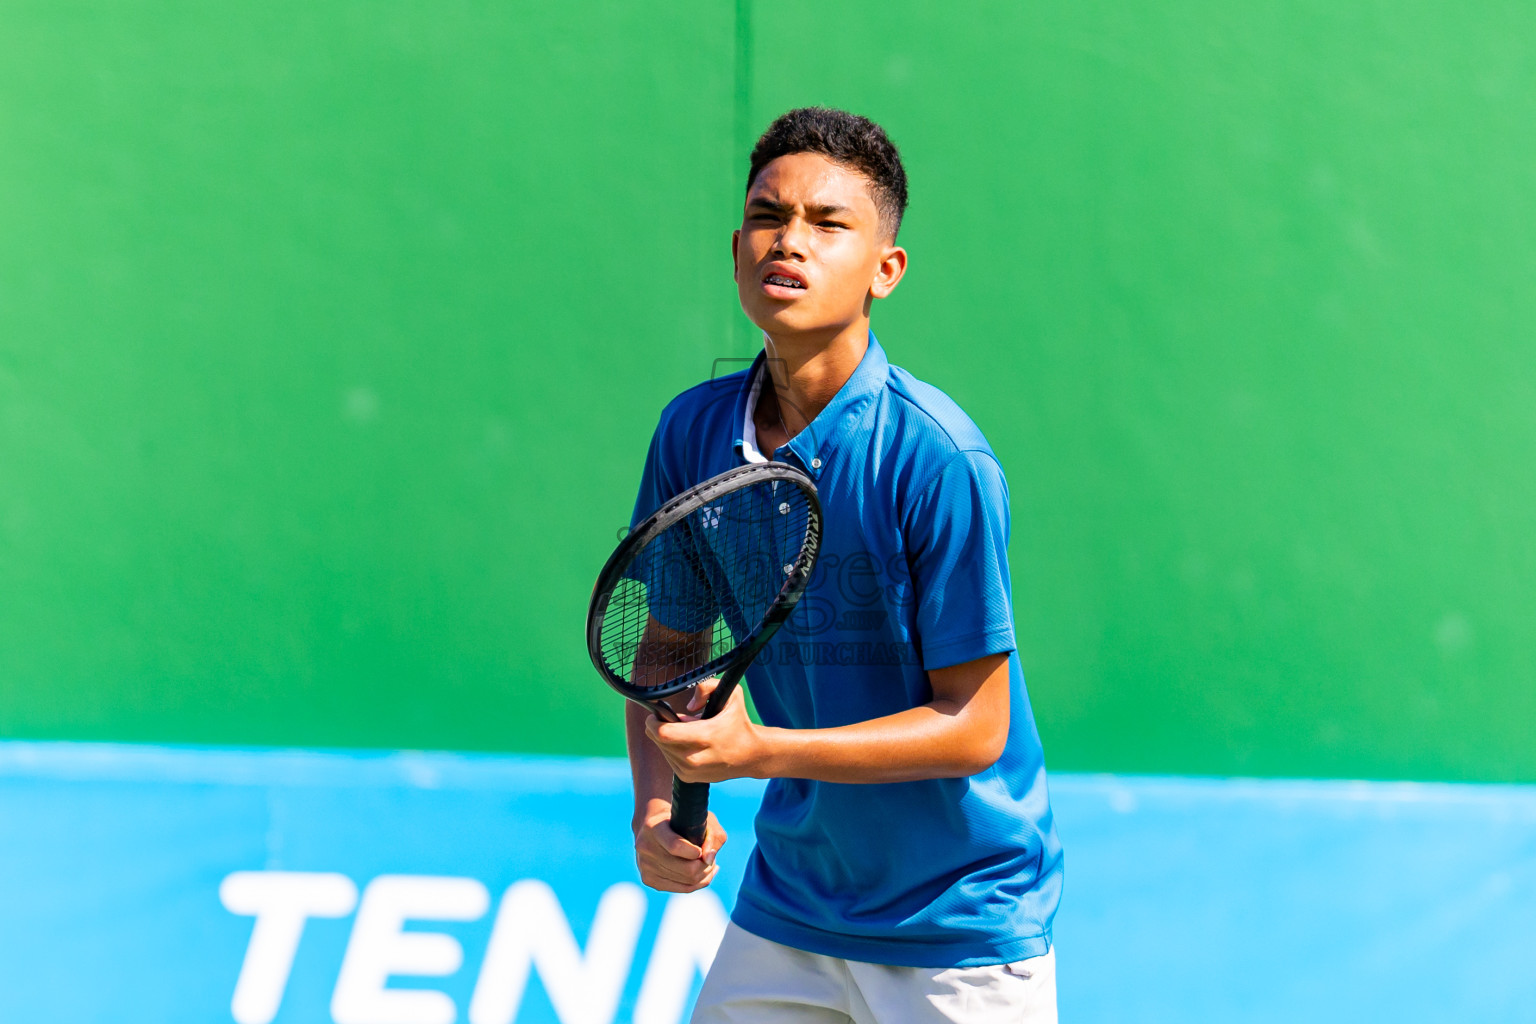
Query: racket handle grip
[690,809]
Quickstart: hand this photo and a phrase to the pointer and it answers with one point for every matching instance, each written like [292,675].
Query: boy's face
[811,253]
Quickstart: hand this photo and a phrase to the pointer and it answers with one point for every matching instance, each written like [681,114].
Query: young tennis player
[906,868]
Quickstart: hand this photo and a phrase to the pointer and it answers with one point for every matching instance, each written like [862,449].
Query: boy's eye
[833,224]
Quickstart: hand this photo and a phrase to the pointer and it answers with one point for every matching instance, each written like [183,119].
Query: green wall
[331,337]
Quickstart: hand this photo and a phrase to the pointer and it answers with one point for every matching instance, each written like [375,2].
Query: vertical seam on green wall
[741,145]
[743,83]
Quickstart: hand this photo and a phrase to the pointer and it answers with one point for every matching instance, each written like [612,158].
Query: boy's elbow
[986,745]
[977,695]
[991,753]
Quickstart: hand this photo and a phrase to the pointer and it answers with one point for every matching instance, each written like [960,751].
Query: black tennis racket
[697,590]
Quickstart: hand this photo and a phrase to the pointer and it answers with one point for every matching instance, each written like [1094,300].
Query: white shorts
[755,981]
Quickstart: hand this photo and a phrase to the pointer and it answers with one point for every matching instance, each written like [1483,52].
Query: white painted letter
[281,901]
[691,929]
[532,931]
[380,947]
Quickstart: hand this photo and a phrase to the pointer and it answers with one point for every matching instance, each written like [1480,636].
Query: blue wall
[129,877]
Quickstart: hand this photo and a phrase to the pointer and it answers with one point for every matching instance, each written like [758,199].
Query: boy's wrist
[649,810]
[776,753]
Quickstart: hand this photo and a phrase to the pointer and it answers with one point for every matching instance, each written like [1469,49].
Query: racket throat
[662,710]
[729,680]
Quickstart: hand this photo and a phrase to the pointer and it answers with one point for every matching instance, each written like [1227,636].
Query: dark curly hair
[847,138]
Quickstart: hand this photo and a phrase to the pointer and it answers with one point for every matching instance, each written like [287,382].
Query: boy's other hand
[666,860]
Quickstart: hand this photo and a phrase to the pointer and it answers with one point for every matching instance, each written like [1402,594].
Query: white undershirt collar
[749,449]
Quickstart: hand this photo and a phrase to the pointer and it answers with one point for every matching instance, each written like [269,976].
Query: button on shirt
[913,576]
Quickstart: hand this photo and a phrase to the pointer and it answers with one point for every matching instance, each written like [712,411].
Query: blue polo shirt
[913,576]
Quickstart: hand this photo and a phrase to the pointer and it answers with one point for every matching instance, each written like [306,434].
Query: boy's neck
[809,369]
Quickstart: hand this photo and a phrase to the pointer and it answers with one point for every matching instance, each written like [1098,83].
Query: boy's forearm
[663,652]
[929,742]
[962,731]
[647,768]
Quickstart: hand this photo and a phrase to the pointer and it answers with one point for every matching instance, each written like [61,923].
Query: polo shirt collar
[815,446]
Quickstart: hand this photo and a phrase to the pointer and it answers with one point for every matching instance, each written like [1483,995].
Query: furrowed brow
[771,205]
[816,210]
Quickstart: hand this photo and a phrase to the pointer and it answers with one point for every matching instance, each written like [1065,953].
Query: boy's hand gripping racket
[697,590]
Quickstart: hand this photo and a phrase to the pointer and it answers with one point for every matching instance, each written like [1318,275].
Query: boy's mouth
[784,281]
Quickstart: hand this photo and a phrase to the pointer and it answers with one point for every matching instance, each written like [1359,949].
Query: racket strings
[695,591]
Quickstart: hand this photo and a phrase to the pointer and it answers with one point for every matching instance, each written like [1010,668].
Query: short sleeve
[677,593]
[958,539]
[654,486]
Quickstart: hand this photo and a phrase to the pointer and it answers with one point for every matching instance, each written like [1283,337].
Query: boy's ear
[893,264]
[735,245]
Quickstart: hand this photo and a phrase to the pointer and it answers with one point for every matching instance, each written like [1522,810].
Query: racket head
[699,587]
